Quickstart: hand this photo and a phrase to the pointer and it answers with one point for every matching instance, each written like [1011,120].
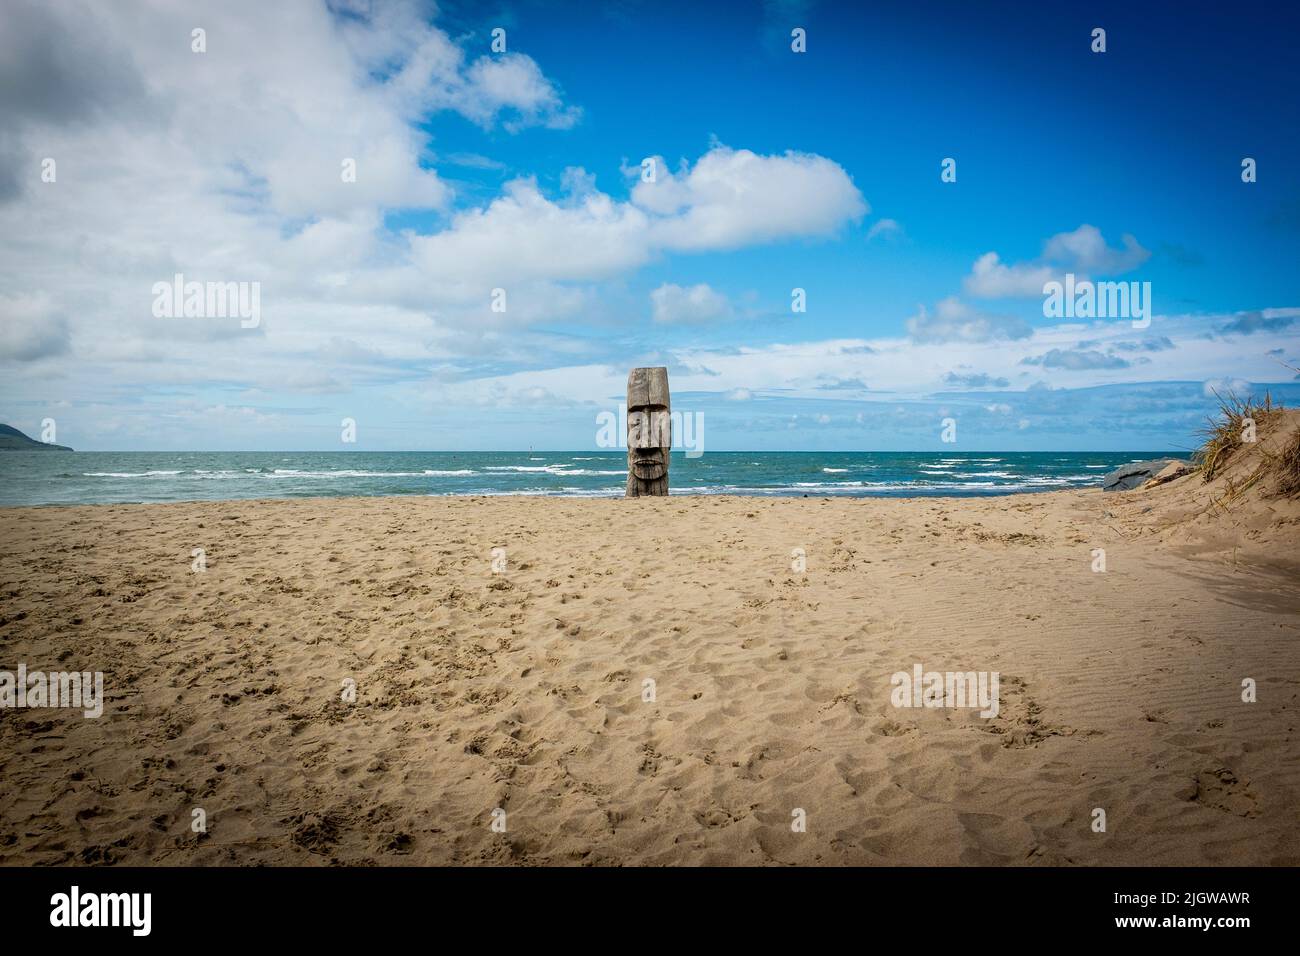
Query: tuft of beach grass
[1223,442]
[1223,434]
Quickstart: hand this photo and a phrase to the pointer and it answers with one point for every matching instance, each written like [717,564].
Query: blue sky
[520,170]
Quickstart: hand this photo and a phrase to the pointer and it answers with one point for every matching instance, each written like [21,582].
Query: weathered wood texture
[649,432]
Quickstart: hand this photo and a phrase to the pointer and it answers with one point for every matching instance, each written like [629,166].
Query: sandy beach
[524,689]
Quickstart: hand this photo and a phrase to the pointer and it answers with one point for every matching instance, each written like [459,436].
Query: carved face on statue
[649,436]
[649,432]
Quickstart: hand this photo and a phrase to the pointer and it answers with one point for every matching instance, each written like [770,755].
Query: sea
[73,478]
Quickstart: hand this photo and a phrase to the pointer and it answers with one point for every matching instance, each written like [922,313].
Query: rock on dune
[1135,474]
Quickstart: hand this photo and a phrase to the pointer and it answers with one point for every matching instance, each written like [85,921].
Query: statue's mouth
[649,467]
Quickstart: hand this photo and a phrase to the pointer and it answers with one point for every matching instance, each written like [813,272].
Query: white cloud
[1076,360]
[423,70]
[734,197]
[1083,251]
[524,236]
[955,321]
[515,82]
[990,278]
[30,328]
[699,303]
[729,198]
[884,228]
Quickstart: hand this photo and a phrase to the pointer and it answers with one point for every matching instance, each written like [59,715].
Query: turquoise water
[29,478]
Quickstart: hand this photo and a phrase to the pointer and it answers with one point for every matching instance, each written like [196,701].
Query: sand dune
[524,690]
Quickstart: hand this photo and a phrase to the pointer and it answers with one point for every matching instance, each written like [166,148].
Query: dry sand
[523,690]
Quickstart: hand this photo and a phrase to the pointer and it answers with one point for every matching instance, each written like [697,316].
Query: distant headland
[11,439]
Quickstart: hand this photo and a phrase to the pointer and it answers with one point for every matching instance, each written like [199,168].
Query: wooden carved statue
[649,432]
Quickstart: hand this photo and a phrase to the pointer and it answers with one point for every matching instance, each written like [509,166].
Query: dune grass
[1288,467]
[1227,434]
[1224,435]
